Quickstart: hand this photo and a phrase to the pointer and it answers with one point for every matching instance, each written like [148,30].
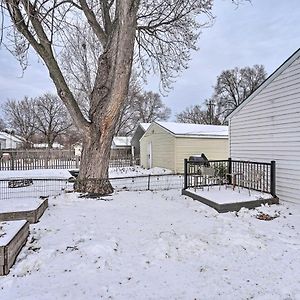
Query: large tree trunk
[93,175]
[107,99]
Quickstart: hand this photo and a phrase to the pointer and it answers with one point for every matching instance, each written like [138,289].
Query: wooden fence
[50,159]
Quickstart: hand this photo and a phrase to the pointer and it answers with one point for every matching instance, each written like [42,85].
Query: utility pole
[210,105]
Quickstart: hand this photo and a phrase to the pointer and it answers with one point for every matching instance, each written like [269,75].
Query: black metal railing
[259,176]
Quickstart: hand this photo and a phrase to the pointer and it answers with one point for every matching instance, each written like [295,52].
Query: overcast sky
[265,32]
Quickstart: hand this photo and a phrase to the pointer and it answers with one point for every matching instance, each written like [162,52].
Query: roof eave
[278,71]
[210,136]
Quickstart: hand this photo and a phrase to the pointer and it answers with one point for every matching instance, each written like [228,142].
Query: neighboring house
[44,146]
[77,149]
[167,144]
[121,147]
[266,126]
[9,141]
[121,142]
[135,141]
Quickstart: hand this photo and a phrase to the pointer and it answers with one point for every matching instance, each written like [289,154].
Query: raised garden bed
[28,209]
[13,236]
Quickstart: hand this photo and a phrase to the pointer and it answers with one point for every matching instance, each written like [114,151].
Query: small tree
[141,107]
[235,85]
[198,115]
[193,114]
[2,124]
[149,107]
[52,118]
[21,117]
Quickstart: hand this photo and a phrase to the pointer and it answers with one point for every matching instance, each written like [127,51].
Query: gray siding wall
[268,128]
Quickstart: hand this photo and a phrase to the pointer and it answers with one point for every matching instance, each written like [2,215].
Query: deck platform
[13,236]
[22,209]
[226,199]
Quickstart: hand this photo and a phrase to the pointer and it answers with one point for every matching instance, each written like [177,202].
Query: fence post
[76,162]
[46,159]
[185,174]
[229,170]
[149,182]
[12,161]
[273,178]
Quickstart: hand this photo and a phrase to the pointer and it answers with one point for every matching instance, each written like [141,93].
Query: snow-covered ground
[156,245]
[36,174]
[65,174]
[136,171]
[133,171]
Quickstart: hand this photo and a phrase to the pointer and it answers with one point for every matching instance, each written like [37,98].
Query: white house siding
[268,128]
[162,148]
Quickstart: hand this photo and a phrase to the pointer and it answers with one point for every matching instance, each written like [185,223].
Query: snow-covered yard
[156,245]
[64,173]
[136,171]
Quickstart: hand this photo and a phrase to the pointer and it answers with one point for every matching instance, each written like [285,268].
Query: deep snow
[156,245]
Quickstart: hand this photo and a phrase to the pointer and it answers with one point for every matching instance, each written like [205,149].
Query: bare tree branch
[92,20]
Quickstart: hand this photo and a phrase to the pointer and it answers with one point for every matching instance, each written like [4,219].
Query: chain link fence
[13,188]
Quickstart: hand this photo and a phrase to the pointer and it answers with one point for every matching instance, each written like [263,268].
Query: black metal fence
[259,176]
[14,188]
[148,182]
[34,188]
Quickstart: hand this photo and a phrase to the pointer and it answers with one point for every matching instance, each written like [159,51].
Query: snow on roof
[8,136]
[122,141]
[44,145]
[195,129]
[145,126]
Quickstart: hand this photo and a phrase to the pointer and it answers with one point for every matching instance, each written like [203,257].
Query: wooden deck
[32,215]
[225,200]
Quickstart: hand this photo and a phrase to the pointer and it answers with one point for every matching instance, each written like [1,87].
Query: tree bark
[107,99]
[93,174]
